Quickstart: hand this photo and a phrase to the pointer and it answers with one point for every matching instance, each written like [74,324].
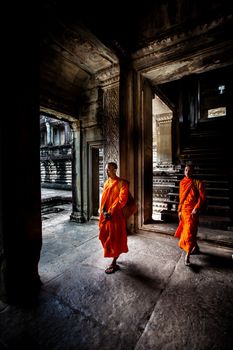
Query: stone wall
[55,153]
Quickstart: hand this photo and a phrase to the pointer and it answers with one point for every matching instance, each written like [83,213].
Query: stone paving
[218,237]
[153,302]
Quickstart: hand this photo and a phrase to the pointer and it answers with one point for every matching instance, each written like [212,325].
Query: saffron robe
[112,233]
[192,195]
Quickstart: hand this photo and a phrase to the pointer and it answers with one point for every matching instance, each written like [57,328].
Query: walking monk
[192,196]
[112,223]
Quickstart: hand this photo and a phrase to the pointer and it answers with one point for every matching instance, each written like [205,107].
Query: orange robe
[112,233]
[192,195]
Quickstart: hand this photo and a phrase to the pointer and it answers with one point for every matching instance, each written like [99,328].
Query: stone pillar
[66,131]
[126,123]
[111,124]
[48,132]
[129,136]
[20,209]
[20,197]
[77,181]
[164,139]
[147,153]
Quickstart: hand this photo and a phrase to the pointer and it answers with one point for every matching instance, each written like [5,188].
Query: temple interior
[147,86]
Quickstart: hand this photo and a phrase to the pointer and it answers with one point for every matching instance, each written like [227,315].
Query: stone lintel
[164,118]
[179,37]
[184,52]
[52,113]
[109,77]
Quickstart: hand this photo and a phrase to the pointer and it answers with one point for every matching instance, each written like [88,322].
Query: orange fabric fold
[192,195]
[112,233]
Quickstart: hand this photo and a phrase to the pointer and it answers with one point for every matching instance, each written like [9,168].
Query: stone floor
[153,302]
[50,192]
[218,237]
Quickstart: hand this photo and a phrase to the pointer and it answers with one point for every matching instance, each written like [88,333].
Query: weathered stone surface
[153,302]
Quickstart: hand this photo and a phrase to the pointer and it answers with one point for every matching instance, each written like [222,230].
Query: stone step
[215,207]
[208,160]
[221,184]
[210,188]
[48,203]
[216,221]
[208,196]
[209,199]
[208,175]
[213,189]
[217,197]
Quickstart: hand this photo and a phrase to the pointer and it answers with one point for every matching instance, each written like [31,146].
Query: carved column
[129,136]
[111,123]
[164,139]
[77,185]
[48,132]
[147,155]
[66,131]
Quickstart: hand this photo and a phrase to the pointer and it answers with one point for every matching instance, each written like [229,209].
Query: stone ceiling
[182,53]
[81,46]
[72,58]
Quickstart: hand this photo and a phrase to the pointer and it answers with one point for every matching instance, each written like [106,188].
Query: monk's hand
[179,215]
[107,215]
[194,212]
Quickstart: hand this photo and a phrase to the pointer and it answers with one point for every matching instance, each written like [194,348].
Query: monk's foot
[112,269]
[195,250]
[186,260]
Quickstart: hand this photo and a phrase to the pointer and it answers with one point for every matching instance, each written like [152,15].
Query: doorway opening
[55,166]
[162,117]
[96,178]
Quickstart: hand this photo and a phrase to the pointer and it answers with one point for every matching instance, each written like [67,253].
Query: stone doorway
[96,178]
[162,117]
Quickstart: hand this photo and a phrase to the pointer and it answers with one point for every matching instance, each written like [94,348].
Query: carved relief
[111,124]
[108,77]
[184,52]
[164,118]
[178,38]
[81,47]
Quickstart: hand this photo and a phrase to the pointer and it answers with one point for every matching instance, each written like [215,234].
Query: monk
[192,196]
[112,223]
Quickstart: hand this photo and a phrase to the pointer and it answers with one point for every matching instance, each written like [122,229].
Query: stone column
[77,181]
[126,123]
[111,124]
[129,136]
[20,194]
[147,154]
[48,132]
[66,131]
[20,208]
[164,139]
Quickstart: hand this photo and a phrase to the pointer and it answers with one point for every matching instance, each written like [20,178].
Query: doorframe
[91,146]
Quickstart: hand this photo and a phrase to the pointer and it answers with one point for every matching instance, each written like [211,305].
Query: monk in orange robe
[192,196]
[112,223]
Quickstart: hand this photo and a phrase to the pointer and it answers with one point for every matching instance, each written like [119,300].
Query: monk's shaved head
[113,165]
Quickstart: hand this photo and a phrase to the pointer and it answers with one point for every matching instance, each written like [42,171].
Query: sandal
[112,269]
[186,261]
[195,250]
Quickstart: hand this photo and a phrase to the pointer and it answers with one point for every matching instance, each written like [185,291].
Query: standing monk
[112,223]
[192,196]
